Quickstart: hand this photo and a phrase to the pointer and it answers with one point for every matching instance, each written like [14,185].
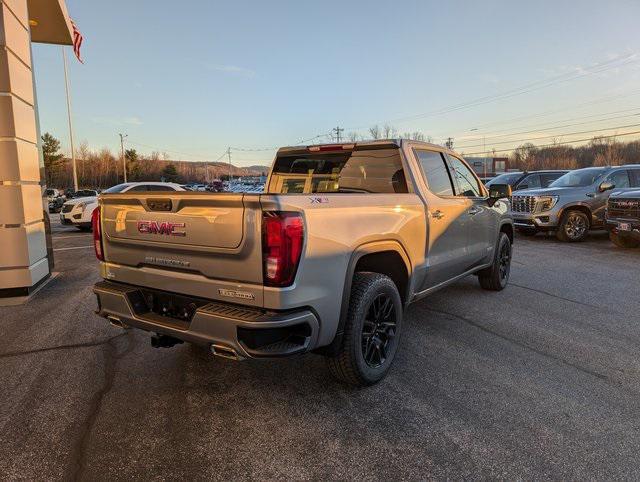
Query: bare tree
[375,132]
[353,136]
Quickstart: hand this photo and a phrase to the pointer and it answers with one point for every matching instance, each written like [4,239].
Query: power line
[507,134]
[517,141]
[524,89]
[560,143]
[554,111]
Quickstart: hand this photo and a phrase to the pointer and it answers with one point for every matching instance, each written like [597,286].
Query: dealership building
[26,257]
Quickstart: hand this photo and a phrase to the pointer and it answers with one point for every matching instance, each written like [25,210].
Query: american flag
[77,41]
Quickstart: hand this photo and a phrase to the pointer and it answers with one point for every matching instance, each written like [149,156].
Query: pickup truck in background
[623,218]
[344,237]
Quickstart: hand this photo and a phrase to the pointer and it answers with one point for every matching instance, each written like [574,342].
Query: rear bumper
[229,330]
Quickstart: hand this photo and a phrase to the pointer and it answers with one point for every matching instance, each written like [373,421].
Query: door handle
[437,214]
[473,211]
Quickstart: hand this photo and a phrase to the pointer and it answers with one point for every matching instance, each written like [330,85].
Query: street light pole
[124,161]
[484,152]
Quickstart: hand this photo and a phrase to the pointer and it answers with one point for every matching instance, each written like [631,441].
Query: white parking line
[74,247]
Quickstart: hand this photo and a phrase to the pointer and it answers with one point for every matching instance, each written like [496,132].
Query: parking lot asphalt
[541,380]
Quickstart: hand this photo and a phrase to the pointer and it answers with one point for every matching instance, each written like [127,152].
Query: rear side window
[634,174]
[467,183]
[359,171]
[155,187]
[435,173]
[531,181]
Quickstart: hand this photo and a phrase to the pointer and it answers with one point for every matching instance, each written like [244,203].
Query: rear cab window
[362,170]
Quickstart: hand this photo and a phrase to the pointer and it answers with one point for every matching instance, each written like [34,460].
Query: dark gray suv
[574,203]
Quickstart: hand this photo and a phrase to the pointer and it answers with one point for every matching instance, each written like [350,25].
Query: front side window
[357,171]
[510,179]
[467,184]
[634,174]
[579,178]
[435,172]
[620,179]
[548,178]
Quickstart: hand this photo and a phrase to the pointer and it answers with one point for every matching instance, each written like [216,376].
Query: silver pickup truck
[344,237]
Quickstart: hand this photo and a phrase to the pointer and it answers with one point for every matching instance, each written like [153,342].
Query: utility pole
[124,161]
[338,132]
[449,143]
[73,151]
[229,156]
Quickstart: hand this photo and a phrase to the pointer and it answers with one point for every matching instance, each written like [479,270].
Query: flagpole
[73,152]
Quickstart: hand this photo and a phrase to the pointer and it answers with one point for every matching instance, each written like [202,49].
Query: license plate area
[624,227]
[170,307]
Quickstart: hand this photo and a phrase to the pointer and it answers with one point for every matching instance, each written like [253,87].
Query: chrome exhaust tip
[225,352]
[117,322]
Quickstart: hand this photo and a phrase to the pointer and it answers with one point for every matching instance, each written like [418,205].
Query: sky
[192,78]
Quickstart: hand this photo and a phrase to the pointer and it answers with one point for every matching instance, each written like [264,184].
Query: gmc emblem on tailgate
[165,227]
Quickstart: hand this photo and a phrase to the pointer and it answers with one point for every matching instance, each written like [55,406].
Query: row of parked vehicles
[571,203]
[77,211]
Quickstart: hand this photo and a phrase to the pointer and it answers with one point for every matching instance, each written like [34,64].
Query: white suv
[77,212]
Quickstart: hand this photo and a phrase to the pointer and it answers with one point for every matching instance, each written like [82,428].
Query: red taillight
[282,240]
[97,233]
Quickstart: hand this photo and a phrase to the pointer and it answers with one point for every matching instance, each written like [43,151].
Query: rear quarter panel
[336,226]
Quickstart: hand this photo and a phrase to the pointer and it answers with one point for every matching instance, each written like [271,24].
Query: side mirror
[498,191]
[606,186]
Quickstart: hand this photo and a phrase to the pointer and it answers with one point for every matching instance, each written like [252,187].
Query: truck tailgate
[183,235]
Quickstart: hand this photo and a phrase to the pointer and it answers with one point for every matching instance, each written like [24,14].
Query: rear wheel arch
[385,257]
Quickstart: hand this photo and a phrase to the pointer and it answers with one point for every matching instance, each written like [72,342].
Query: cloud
[118,121]
[230,70]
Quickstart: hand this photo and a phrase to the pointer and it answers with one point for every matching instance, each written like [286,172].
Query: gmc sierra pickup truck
[344,237]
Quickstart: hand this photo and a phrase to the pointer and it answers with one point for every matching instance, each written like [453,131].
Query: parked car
[623,218]
[55,200]
[77,212]
[574,203]
[85,193]
[326,260]
[528,179]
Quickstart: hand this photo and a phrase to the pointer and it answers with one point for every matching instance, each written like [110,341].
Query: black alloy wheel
[378,330]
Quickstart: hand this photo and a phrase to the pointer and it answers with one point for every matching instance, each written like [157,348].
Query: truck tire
[371,332]
[496,276]
[623,242]
[573,227]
